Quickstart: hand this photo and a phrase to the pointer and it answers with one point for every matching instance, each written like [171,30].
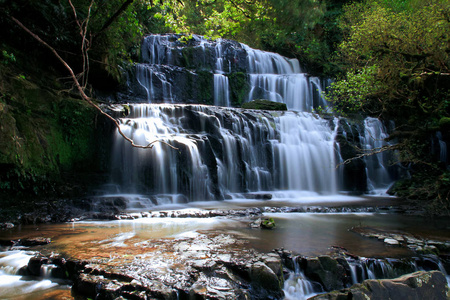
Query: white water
[376,165]
[297,286]
[270,75]
[13,285]
[223,151]
[280,79]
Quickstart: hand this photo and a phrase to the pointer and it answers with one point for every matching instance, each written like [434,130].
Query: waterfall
[170,70]
[221,90]
[223,151]
[376,165]
[280,79]
[298,286]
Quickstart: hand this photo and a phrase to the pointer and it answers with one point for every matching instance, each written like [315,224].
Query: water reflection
[303,233]
[314,234]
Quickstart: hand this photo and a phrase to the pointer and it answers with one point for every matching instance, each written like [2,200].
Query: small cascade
[222,151]
[372,268]
[376,165]
[221,90]
[279,79]
[13,265]
[297,286]
[442,148]
[221,84]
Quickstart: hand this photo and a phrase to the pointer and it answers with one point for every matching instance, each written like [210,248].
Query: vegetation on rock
[264,105]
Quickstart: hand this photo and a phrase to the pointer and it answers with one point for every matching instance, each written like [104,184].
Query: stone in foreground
[415,286]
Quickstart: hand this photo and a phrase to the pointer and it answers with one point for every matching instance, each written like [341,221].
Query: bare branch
[369,152]
[82,93]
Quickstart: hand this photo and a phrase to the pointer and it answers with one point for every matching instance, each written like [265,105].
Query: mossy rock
[444,123]
[264,105]
[268,223]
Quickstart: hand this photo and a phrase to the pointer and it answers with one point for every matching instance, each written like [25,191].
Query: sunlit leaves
[408,44]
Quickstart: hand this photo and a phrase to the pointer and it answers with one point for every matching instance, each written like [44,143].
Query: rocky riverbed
[221,266]
[211,254]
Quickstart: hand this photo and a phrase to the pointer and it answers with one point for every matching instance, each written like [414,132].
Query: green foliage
[268,223]
[395,61]
[7,58]
[349,94]
[405,51]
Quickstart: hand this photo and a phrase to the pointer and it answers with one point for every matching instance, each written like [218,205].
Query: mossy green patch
[264,105]
[239,88]
[41,134]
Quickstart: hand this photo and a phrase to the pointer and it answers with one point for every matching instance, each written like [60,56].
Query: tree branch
[114,16]
[369,152]
[81,90]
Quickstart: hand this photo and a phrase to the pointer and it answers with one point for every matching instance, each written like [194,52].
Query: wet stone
[390,241]
[38,241]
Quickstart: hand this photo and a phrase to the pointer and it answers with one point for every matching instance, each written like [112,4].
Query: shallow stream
[308,234]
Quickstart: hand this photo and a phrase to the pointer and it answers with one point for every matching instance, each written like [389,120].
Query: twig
[372,152]
[83,95]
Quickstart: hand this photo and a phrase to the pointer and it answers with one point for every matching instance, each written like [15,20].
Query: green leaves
[350,93]
[406,46]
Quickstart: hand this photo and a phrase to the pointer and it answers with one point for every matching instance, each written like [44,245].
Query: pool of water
[303,233]
[308,234]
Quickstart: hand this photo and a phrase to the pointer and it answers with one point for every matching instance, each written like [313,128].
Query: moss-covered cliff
[52,144]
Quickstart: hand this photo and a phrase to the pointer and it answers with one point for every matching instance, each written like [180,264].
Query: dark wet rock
[35,264]
[6,225]
[37,241]
[265,281]
[325,270]
[419,285]
[213,266]
[7,243]
[267,223]
[264,104]
[258,196]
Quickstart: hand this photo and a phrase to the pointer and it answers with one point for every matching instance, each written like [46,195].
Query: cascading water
[376,165]
[279,79]
[12,284]
[170,69]
[297,286]
[224,151]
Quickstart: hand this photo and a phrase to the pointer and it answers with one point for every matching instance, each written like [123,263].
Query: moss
[444,123]
[239,88]
[41,134]
[205,81]
[264,105]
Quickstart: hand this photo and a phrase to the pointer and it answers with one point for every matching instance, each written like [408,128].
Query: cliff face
[49,141]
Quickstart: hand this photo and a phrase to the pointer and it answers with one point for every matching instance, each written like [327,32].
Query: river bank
[207,253]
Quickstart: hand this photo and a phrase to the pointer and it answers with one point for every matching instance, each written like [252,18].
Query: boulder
[325,270]
[265,281]
[419,285]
